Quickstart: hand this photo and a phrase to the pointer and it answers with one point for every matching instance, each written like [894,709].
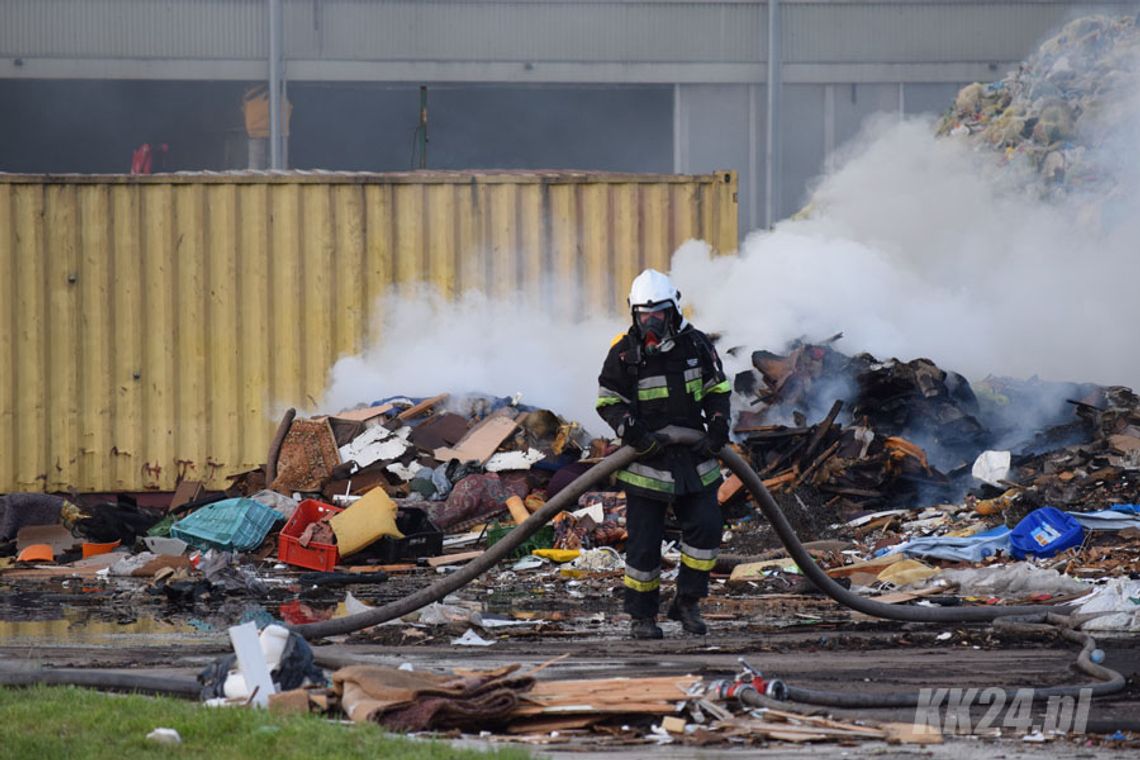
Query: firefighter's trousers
[701,522]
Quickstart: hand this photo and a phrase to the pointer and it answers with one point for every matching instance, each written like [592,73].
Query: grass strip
[44,723]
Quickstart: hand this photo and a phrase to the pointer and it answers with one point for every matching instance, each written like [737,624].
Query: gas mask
[655,326]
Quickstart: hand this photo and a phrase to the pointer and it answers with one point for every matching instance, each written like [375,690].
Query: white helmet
[652,288]
[653,291]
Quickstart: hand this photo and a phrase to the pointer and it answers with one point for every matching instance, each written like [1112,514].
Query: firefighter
[662,372]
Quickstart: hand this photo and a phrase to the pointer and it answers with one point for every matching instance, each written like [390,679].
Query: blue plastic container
[229,525]
[1044,532]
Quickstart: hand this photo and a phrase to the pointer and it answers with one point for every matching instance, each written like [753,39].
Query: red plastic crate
[315,556]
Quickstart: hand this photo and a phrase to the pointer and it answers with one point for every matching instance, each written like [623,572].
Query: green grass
[44,723]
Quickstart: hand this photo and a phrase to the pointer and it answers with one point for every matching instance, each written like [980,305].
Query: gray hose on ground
[1109,681]
[823,581]
[103,679]
[564,499]
[1112,681]
[619,459]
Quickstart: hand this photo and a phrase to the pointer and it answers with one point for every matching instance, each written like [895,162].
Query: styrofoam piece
[404,472]
[251,662]
[165,547]
[513,460]
[375,444]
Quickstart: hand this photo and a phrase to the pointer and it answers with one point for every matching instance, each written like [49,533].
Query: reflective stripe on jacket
[684,386]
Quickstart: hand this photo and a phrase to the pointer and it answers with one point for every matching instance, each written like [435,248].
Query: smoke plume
[917,246]
[427,345]
[916,250]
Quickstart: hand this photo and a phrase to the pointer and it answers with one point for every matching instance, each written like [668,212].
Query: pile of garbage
[912,434]
[681,709]
[921,506]
[391,487]
[1049,118]
[896,457]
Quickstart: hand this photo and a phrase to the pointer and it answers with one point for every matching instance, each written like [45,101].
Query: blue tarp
[973,548]
[1107,519]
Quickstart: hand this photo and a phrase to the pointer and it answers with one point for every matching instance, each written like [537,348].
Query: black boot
[645,628]
[687,610]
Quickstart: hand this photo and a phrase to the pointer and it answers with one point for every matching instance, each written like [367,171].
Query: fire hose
[568,497]
[753,691]
[1033,616]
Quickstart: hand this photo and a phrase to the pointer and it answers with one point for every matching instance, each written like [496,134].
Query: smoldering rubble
[910,482]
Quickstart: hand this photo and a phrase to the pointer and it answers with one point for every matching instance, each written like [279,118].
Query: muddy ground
[807,641]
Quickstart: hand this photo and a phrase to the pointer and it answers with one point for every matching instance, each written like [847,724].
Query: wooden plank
[793,732]
[453,559]
[481,441]
[186,492]
[911,733]
[751,571]
[820,432]
[782,479]
[827,454]
[41,573]
[872,566]
[399,568]
[898,597]
[420,408]
[364,414]
[597,708]
[729,488]
[819,720]
[771,431]
[517,509]
[56,536]
[545,725]
[649,696]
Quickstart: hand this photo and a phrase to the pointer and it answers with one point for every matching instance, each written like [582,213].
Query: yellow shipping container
[149,324]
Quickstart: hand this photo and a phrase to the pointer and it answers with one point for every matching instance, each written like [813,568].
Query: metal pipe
[113,680]
[275,39]
[773,150]
[423,126]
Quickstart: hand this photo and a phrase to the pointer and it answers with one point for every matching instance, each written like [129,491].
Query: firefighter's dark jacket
[684,386]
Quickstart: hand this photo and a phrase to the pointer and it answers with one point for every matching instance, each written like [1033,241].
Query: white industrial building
[609,85]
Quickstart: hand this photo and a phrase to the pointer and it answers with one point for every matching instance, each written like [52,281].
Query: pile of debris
[1049,117]
[910,434]
[399,491]
[375,489]
[521,706]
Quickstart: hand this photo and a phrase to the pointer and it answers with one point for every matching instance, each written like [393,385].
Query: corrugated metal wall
[150,326]
[535,31]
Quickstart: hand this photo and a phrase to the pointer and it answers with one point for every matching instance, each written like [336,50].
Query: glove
[635,434]
[717,432]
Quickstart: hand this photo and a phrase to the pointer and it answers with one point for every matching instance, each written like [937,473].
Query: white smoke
[425,345]
[915,249]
